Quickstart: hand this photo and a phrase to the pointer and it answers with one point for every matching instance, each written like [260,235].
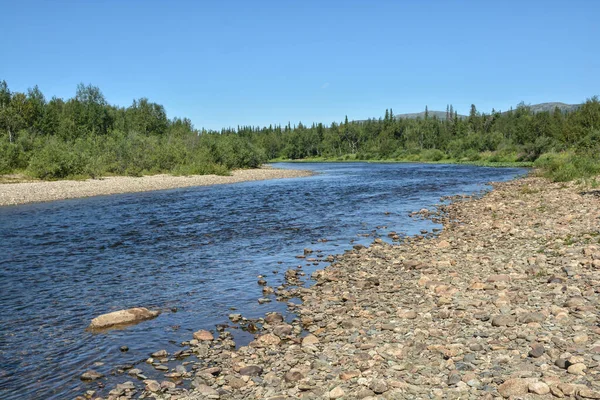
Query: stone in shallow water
[274,318]
[91,375]
[152,386]
[122,317]
[235,317]
[283,330]
[203,335]
[160,354]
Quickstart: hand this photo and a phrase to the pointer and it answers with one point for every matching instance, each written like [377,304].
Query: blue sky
[228,63]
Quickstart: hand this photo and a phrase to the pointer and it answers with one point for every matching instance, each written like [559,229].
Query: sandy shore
[33,192]
[504,303]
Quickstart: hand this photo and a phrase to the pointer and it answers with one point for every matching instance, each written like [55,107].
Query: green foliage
[86,136]
[55,160]
[432,155]
[10,157]
[567,166]
[15,155]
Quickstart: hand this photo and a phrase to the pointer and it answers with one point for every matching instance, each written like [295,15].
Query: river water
[194,250]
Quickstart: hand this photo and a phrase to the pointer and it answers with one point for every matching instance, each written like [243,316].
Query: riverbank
[41,191]
[503,303]
[480,163]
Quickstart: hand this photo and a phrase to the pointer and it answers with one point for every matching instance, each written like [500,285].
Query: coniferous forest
[86,137]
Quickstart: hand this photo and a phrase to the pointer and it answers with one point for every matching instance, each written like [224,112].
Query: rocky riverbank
[504,303]
[40,191]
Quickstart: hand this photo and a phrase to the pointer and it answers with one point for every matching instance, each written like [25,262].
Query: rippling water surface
[198,250]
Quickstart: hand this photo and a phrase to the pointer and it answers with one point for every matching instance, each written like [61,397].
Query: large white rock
[122,317]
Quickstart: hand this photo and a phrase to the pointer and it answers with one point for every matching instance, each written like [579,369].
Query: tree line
[515,135]
[86,136]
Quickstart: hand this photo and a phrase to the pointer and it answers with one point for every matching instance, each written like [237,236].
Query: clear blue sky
[224,63]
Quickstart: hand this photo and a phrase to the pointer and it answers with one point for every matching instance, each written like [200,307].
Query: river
[194,253]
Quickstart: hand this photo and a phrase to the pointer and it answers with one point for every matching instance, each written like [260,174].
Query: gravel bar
[33,192]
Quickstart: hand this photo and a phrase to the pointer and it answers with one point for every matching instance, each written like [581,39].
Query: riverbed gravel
[41,191]
[503,303]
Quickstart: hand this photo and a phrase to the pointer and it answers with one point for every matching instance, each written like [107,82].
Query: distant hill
[439,114]
[536,108]
[542,107]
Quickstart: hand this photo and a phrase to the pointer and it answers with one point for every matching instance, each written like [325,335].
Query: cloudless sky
[229,63]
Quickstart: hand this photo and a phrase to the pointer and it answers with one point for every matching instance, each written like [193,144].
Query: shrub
[567,166]
[55,160]
[432,155]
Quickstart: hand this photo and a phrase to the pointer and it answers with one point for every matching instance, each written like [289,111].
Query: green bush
[55,160]
[567,166]
[470,155]
[531,151]
[432,155]
[9,157]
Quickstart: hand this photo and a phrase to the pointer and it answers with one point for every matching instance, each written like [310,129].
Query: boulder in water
[122,317]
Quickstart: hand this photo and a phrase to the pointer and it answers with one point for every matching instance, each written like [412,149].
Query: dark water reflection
[198,250]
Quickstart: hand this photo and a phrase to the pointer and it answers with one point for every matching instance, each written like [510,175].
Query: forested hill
[437,114]
[441,115]
[85,136]
[550,107]
[535,108]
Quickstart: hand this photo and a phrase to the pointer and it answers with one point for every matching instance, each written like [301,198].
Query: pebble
[152,386]
[577,369]
[336,393]
[539,388]
[537,350]
[251,370]
[513,387]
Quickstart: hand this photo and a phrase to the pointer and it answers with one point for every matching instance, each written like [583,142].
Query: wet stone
[91,375]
